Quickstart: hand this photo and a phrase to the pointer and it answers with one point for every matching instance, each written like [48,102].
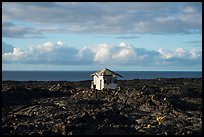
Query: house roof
[106,72]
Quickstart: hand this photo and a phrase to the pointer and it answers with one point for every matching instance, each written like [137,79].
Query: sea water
[86,75]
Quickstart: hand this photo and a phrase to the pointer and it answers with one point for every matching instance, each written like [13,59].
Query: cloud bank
[101,18]
[101,54]
[11,30]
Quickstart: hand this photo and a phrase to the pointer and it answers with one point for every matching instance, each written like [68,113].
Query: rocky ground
[136,107]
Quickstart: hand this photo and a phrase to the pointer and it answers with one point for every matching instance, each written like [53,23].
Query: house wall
[110,84]
[99,86]
[97,82]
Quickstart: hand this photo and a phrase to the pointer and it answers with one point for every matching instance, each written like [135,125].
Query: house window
[105,81]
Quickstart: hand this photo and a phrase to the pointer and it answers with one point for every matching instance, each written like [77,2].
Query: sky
[126,36]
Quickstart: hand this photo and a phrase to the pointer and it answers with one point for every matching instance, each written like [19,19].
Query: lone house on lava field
[104,79]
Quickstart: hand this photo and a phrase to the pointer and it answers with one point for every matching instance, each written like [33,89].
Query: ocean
[86,75]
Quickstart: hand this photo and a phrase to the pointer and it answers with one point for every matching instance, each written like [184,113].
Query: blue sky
[89,36]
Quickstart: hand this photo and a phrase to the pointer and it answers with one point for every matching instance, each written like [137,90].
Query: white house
[104,79]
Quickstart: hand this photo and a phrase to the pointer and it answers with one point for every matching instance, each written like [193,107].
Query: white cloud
[124,53]
[47,53]
[166,53]
[122,44]
[194,53]
[180,52]
[109,54]
[181,57]
[15,56]
[103,54]
[60,43]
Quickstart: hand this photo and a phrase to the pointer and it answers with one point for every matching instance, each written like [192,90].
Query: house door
[100,84]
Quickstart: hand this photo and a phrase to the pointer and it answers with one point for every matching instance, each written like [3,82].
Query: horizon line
[113,70]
